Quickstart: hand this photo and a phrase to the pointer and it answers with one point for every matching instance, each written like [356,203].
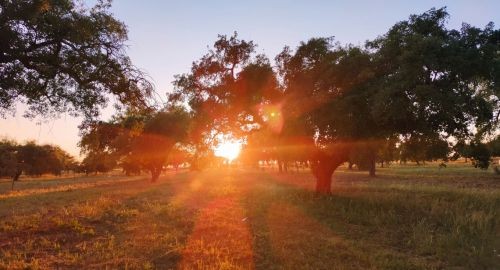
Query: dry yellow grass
[407,218]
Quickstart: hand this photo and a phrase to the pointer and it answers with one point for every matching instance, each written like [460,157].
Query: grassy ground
[406,218]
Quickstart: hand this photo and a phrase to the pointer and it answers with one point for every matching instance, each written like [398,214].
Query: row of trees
[415,149]
[33,160]
[420,83]
[146,140]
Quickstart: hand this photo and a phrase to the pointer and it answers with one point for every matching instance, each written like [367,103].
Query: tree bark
[372,168]
[15,178]
[324,167]
[155,174]
[324,178]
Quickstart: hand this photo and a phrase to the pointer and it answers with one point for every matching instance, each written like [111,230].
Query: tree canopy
[419,83]
[56,56]
[137,141]
[33,160]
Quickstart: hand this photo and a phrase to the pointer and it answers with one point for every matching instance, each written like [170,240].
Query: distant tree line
[33,160]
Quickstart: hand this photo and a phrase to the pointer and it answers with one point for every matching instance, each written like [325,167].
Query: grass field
[406,218]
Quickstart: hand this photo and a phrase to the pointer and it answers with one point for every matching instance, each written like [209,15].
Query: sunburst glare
[228,149]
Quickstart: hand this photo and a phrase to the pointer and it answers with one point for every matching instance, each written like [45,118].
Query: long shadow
[395,218]
[285,237]
[257,212]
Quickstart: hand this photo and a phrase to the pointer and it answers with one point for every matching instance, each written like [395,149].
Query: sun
[228,149]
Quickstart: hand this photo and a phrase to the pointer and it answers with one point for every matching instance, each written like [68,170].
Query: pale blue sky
[166,36]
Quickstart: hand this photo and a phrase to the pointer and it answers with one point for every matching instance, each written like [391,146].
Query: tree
[225,90]
[388,151]
[36,160]
[480,155]
[9,161]
[327,92]
[416,80]
[137,141]
[330,101]
[160,134]
[32,159]
[98,162]
[178,156]
[57,57]
[425,148]
[494,146]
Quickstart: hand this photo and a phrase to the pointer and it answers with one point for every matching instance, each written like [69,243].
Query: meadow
[408,217]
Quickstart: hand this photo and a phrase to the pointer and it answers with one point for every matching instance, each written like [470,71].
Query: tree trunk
[350,166]
[324,183]
[15,178]
[372,168]
[323,170]
[280,166]
[155,174]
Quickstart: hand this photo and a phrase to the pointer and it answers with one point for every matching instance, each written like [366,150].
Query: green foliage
[58,57]
[425,148]
[33,160]
[135,141]
[8,158]
[161,132]
[481,155]
[95,162]
[494,146]
[224,90]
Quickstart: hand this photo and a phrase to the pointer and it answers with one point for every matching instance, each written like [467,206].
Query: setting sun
[228,149]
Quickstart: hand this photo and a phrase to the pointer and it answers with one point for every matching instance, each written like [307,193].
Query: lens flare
[228,150]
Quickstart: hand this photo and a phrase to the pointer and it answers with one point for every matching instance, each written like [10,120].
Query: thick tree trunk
[324,181]
[323,169]
[350,166]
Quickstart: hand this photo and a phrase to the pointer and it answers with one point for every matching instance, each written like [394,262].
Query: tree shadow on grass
[425,227]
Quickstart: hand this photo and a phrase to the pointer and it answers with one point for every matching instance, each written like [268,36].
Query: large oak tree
[56,56]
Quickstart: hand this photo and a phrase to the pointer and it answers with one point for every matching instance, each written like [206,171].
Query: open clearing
[406,218]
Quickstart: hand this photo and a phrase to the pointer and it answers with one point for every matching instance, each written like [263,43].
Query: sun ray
[228,149]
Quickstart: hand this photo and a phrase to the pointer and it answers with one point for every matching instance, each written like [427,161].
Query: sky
[165,37]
